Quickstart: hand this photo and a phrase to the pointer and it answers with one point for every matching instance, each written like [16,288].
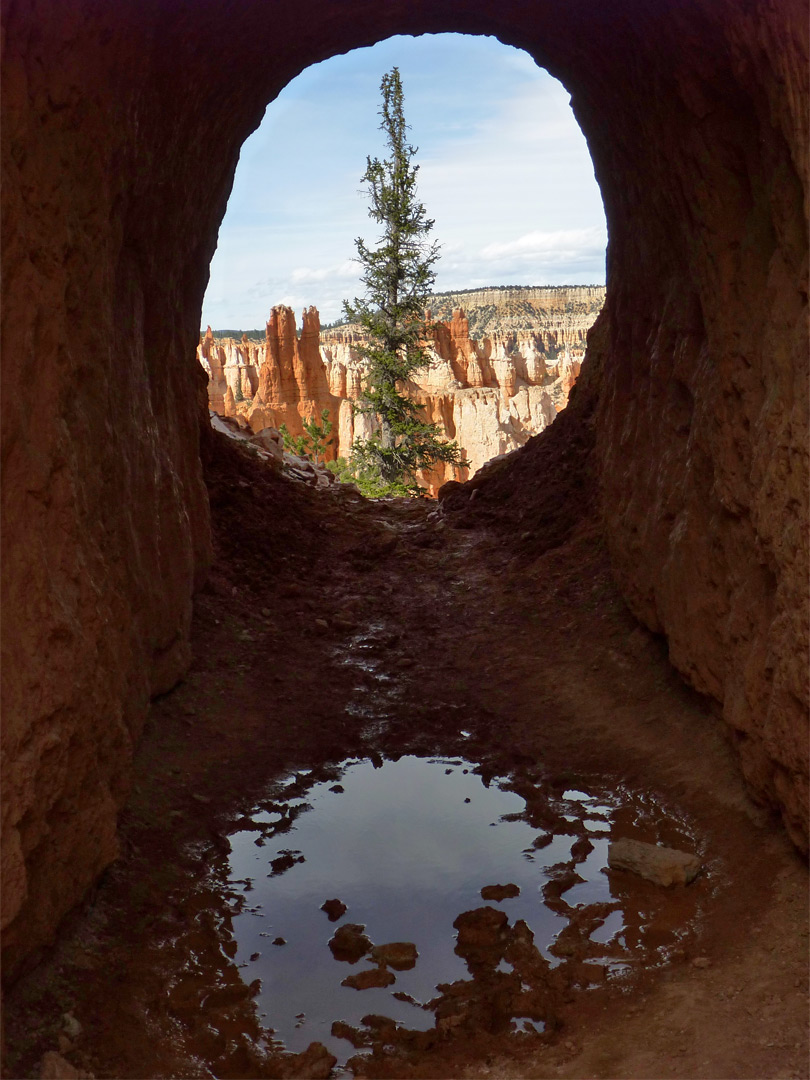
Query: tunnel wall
[695,112]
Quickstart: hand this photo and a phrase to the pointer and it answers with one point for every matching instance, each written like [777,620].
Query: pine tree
[398,275]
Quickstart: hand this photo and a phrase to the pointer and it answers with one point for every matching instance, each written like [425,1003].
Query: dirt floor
[519,638]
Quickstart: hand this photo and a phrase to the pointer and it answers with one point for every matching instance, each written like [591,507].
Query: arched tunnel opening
[617,617]
[504,173]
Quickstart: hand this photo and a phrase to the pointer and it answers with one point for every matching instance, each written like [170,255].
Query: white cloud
[344,270]
[504,171]
[563,243]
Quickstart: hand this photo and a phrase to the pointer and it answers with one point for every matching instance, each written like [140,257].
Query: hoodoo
[491,395]
[693,401]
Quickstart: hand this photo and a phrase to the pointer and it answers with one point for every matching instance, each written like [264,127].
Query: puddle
[407,845]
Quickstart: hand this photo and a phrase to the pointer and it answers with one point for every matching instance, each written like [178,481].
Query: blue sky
[504,170]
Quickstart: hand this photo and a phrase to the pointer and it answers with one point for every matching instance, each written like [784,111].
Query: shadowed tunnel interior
[693,401]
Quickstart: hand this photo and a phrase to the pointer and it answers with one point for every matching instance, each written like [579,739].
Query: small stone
[338,789]
[661,865]
[285,861]
[279,941]
[542,841]
[480,928]
[334,909]
[71,1026]
[405,662]
[255,956]
[400,955]
[372,978]
[499,892]
[581,848]
[349,943]
[378,1023]
[342,1030]
[321,624]
[201,799]
[701,962]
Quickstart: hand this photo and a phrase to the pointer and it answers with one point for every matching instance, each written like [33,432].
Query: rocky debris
[500,892]
[268,445]
[661,865]
[334,908]
[349,943]
[581,848]
[370,978]
[71,1026]
[481,929]
[400,955]
[558,883]
[315,1063]
[54,1067]
[270,440]
[542,841]
[223,997]
[342,1030]
[285,861]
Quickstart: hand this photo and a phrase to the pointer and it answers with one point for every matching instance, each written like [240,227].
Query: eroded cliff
[490,395]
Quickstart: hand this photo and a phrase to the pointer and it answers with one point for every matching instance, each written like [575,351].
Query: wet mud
[368,832]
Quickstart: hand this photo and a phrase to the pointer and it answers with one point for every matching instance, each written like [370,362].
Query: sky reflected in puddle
[407,846]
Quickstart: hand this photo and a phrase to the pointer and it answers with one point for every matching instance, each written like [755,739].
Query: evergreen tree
[398,275]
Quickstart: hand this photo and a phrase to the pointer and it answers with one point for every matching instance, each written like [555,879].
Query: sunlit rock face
[489,398]
[696,117]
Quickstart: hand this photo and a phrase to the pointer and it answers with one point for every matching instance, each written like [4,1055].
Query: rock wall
[563,314]
[696,116]
[489,396]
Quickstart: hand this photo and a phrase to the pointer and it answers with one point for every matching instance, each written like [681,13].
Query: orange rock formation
[490,396]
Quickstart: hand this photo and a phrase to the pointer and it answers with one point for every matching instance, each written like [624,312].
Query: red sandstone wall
[702,425]
[695,112]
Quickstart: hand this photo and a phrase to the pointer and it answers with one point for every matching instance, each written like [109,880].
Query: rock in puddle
[399,955]
[499,892]
[370,978]
[342,1030]
[285,861]
[349,943]
[661,865]
[481,928]
[334,909]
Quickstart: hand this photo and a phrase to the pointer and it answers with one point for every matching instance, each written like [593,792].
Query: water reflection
[407,845]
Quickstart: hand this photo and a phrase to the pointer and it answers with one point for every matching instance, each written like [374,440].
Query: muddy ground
[509,628]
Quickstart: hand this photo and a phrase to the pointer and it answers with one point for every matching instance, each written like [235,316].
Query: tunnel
[122,130]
